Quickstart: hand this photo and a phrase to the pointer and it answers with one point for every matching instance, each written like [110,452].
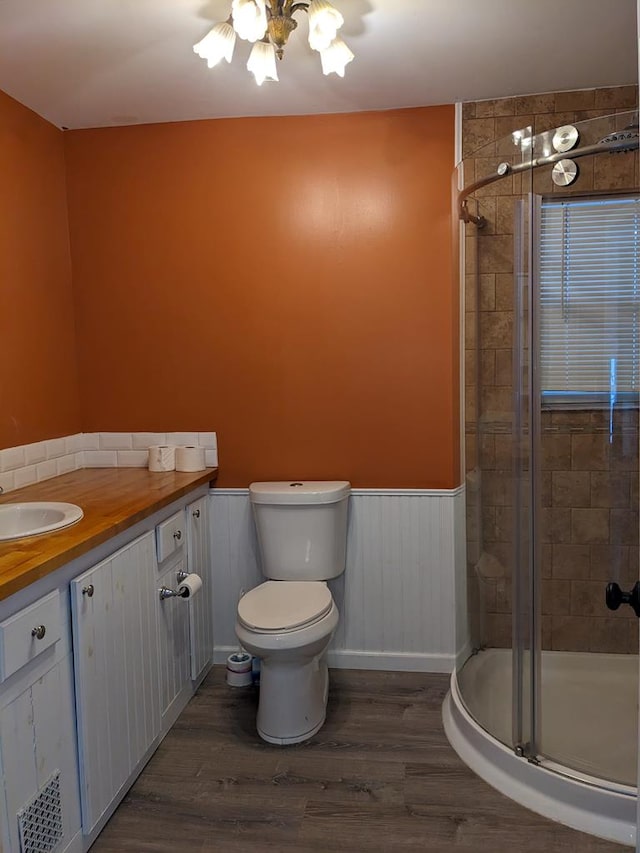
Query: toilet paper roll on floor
[162,457]
[190,586]
[190,459]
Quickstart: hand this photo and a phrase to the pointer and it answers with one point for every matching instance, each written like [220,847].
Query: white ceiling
[91,63]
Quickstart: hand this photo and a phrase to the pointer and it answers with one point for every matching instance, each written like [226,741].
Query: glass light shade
[324,22]
[249,19]
[262,62]
[335,58]
[217,44]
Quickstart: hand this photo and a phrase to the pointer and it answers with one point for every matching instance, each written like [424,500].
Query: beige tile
[546,488]
[498,630]
[487,368]
[589,526]
[504,292]
[608,635]
[624,527]
[571,488]
[470,292]
[616,97]
[610,489]
[487,286]
[496,254]
[469,367]
[496,327]
[504,367]
[571,561]
[614,172]
[470,452]
[487,452]
[556,596]
[555,525]
[589,453]
[545,103]
[487,209]
[504,524]
[506,125]
[624,452]
[546,561]
[495,107]
[504,214]
[550,121]
[576,100]
[587,598]
[571,419]
[496,403]
[504,451]
[468,110]
[503,595]
[569,633]
[470,330]
[556,453]
[478,132]
[609,562]
[497,488]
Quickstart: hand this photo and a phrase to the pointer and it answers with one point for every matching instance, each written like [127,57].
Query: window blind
[590,297]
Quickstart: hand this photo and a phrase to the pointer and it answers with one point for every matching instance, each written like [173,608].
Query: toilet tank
[302,528]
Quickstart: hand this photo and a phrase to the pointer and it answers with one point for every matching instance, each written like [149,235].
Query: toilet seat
[282,606]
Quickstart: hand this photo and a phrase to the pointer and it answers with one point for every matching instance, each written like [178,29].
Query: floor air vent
[40,822]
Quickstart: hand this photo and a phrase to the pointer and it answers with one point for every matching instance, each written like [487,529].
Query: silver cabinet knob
[177,534]
[88,590]
[196,513]
[38,632]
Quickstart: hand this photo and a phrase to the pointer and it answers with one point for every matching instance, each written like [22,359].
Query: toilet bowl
[289,620]
[289,625]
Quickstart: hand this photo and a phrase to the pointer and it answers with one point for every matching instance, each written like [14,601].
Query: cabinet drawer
[28,633]
[170,536]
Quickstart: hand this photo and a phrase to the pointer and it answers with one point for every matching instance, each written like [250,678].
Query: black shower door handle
[614,597]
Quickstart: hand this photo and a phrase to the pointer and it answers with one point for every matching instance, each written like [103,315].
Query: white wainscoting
[397,597]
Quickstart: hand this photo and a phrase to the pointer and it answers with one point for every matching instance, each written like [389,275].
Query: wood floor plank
[379,776]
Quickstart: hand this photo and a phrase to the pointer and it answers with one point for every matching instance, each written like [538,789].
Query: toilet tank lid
[300,492]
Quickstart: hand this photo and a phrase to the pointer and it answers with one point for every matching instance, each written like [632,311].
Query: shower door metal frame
[527,599]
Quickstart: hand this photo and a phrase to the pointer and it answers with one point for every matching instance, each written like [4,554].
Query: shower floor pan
[589,737]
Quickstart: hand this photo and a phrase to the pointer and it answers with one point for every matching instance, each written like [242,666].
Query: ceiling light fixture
[268,25]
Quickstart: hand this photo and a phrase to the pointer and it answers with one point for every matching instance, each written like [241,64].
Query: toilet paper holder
[165,592]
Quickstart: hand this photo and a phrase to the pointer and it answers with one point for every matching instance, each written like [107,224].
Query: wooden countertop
[112,499]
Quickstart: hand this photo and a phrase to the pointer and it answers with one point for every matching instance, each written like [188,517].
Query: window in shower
[589,275]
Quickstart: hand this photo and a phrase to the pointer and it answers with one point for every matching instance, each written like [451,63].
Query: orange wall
[38,379]
[284,281]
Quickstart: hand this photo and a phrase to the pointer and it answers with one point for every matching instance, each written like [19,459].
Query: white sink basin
[27,519]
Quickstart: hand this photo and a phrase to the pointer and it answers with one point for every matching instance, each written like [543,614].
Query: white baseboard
[394,661]
[353,659]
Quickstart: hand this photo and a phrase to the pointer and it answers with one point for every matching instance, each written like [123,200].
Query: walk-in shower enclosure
[552,372]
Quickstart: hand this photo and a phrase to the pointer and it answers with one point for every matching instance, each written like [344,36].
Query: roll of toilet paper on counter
[162,457]
[190,459]
[190,586]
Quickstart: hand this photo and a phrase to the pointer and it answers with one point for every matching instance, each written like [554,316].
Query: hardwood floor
[379,776]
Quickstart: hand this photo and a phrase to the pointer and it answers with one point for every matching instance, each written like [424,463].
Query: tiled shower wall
[589,525]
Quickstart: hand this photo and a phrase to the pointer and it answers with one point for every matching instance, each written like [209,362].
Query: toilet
[289,620]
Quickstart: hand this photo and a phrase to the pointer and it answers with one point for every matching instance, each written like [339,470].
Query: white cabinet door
[173,642]
[201,606]
[116,672]
[39,763]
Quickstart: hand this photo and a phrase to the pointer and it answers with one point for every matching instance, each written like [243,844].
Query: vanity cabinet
[200,607]
[40,800]
[116,672]
[94,669]
[173,645]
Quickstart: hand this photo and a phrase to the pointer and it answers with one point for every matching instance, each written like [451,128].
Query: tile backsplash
[32,463]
